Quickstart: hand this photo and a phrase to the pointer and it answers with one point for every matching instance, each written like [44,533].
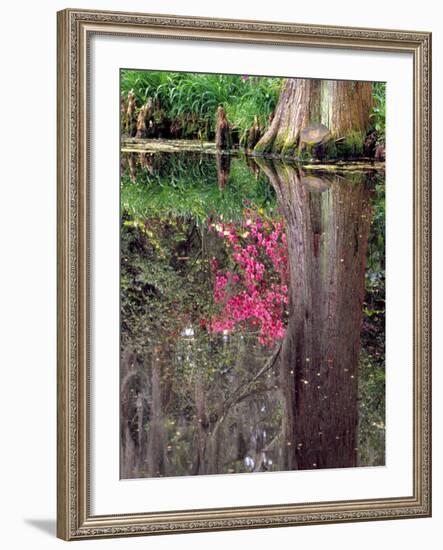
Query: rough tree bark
[327,227]
[342,106]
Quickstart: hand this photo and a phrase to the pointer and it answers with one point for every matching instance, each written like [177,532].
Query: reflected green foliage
[182,379]
[373,334]
[372,360]
[376,255]
[151,252]
[187,185]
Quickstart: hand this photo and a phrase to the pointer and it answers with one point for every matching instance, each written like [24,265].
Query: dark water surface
[252,316]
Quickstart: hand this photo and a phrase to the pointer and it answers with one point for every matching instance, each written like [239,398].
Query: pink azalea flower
[255,291]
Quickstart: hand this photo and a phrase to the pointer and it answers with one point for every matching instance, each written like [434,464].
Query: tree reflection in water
[240,352]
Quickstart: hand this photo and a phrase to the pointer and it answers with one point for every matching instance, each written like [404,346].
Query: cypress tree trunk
[327,227]
[343,107]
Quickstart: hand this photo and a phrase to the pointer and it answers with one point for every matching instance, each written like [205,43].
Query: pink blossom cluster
[255,290]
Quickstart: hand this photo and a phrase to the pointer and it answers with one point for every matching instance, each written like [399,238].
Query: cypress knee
[222,131]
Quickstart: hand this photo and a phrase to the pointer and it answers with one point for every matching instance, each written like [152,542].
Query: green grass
[191,99]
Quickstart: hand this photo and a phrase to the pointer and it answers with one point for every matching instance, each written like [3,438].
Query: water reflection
[199,400]
[327,227]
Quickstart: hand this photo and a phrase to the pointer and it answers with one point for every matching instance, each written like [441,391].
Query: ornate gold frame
[74,519]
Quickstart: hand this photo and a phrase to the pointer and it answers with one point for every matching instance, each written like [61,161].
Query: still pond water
[252,316]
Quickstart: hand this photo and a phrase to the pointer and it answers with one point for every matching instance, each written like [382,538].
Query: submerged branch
[244,389]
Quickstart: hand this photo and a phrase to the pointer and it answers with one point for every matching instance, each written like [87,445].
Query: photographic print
[252,276]
[222,245]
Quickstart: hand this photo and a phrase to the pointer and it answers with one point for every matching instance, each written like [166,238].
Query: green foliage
[378,114]
[191,99]
[351,147]
[258,98]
